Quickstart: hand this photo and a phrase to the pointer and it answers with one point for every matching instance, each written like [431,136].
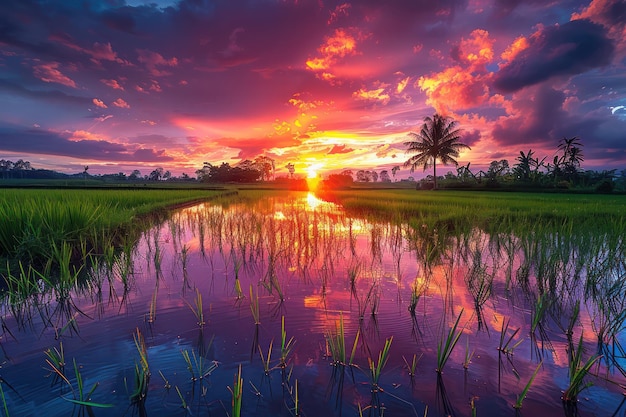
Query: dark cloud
[470,138]
[568,49]
[541,120]
[51,143]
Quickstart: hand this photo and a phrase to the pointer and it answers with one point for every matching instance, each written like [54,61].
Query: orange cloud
[340,45]
[99,103]
[50,73]
[515,48]
[377,95]
[455,89]
[466,84]
[402,85]
[477,51]
[121,103]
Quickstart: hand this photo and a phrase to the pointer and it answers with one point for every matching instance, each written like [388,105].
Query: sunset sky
[131,84]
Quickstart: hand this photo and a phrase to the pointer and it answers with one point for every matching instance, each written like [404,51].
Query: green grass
[35,224]
[458,210]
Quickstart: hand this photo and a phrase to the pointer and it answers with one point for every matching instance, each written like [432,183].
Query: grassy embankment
[36,223]
[512,212]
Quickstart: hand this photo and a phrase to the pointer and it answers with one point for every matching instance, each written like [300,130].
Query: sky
[119,85]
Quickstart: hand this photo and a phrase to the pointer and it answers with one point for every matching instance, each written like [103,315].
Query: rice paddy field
[347,303]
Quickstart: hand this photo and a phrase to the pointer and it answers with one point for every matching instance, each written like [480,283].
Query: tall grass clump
[447,342]
[577,372]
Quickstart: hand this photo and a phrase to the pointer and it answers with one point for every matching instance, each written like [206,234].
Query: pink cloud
[50,73]
[121,103]
[114,84]
[99,103]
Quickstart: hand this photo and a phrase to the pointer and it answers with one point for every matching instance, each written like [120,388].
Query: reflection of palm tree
[437,139]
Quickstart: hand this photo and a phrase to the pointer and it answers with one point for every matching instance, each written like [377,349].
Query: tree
[572,157]
[394,170]
[291,168]
[497,169]
[156,174]
[384,176]
[437,139]
[265,165]
[135,175]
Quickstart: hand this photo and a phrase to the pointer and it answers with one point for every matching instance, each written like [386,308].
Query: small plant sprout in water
[285,345]
[80,396]
[337,344]
[447,342]
[198,366]
[412,367]
[197,309]
[266,360]
[142,370]
[522,395]
[505,345]
[468,355]
[56,360]
[577,372]
[237,394]
[254,307]
[376,368]
[237,266]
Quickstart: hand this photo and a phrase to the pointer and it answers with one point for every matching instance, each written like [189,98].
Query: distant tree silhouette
[437,139]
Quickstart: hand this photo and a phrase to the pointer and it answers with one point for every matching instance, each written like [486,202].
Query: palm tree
[437,139]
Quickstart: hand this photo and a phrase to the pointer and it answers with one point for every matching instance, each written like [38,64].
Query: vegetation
[437,139]
[33,223]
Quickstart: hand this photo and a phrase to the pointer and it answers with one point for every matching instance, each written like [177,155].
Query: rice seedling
[198,366]
[183,402]
[468,355]
[142,370]
[80,396]
[56,359]
[197,309]
[4,402]
[577,372]
[522,395]
[266,360]
[337,344]
[237,394]
[412,367]
[447,342]
[286,346]
[376,368]
[504,345]
[254,307]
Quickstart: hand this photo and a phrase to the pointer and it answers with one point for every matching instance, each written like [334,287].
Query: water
[311,264]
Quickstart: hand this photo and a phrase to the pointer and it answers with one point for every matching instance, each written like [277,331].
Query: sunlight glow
[312,201]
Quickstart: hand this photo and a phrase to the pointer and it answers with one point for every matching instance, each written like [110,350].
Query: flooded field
[287,306]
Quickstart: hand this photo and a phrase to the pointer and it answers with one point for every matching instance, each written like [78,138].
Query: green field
[35,223]
[510,211]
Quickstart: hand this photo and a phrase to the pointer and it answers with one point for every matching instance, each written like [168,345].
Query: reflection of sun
[312,201]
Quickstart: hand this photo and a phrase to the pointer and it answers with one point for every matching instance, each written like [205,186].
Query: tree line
[439,139]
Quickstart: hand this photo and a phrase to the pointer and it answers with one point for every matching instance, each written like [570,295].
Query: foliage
[437,139]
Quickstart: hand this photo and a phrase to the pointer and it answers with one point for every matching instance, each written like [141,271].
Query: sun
[312,177]
[312,170]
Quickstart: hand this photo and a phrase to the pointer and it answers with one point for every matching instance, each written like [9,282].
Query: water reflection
[294,289]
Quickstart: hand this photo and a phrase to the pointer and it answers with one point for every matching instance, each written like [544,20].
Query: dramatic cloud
[335,83]
[568,49]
